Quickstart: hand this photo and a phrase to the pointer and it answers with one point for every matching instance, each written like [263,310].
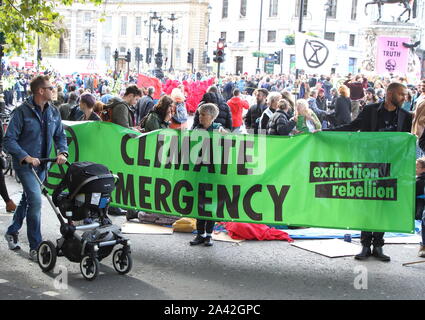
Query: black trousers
[203,226]
[3,189]
[369,238]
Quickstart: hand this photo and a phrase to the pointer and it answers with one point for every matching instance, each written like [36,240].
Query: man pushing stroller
[32,128]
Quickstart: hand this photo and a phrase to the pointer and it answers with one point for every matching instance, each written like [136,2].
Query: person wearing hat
[87,102]
[370,96]
[321,99]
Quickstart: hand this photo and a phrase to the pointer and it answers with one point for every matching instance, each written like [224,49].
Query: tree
[20,19]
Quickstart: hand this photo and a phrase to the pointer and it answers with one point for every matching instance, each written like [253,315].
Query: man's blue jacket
[24,134]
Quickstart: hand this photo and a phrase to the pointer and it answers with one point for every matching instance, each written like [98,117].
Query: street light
[116,63]
[206,61]
[172,19]
[89,34]
[149,50]
[158,57]
[327,8]
[259,38]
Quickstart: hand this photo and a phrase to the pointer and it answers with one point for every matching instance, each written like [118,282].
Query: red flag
[144,81]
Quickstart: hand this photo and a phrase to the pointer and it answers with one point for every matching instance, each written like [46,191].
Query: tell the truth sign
[392,56]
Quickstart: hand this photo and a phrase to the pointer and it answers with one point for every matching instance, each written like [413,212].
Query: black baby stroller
[90,186]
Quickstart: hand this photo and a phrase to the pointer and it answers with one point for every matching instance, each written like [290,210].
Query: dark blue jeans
[30,205]
[423,228]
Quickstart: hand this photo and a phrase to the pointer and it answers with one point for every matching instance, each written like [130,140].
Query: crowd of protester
[258,104]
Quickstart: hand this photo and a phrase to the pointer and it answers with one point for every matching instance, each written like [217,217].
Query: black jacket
[252,117]
[367,120]
[280,124]
[342,110]
[224,116]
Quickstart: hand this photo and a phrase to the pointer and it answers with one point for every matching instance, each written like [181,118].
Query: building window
[107,26]
[271,36]
[123,26]
[138,26]
[122,50]
[87,17]
[241,37]
[297,8]
[354,10]
[273,8]
[352,40]
[223,35]
[243,8]
[331,9]
[330,36]
[108,55]
[225,11]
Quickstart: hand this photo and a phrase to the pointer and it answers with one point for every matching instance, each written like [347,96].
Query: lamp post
[158,56]
[172,19]
[327,13]
[259,38]
[149,50]
[89,34]
[208,36]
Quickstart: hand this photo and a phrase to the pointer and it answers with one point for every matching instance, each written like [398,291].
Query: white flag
[314,55]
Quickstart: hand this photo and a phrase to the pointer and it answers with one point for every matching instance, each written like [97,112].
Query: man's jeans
[30,205]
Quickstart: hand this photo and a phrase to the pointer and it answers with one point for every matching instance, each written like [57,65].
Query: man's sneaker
[33,255]
[12,241]
[421,252]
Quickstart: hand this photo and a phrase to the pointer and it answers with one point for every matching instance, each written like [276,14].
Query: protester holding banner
[306,119]
[160,116]
[380,117]
[208,112]
[180,116]
[281,123]
[252,117]
[272,99]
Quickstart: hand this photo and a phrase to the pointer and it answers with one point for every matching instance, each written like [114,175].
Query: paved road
[167,268]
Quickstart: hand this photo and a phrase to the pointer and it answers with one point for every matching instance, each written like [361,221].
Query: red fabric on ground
[251,231]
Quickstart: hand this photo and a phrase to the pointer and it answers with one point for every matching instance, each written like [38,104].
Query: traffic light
[149,55]
[39,57]
[116,55]
[137,54]
[128,56]
[190,55]
[278,57]
[219,55]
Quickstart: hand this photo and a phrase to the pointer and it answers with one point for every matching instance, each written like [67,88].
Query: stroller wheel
[46,255]
[122,261]
[89,267]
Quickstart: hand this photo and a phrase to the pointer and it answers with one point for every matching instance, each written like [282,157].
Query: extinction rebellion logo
[353,180]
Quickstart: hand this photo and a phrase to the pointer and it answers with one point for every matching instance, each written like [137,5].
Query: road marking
[51,293]
[3,281]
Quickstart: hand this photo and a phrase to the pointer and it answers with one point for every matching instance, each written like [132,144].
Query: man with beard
[380,117]
[252,117]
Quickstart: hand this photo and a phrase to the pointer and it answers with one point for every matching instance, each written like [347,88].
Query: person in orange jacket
[236,105]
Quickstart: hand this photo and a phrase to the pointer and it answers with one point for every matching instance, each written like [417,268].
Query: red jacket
[236,105]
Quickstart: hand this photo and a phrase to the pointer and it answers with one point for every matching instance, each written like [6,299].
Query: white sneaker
[33,255]
[12,241]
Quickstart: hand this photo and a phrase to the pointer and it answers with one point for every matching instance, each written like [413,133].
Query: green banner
[343,180]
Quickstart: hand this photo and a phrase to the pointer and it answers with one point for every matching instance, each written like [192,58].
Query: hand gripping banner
[343,180]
